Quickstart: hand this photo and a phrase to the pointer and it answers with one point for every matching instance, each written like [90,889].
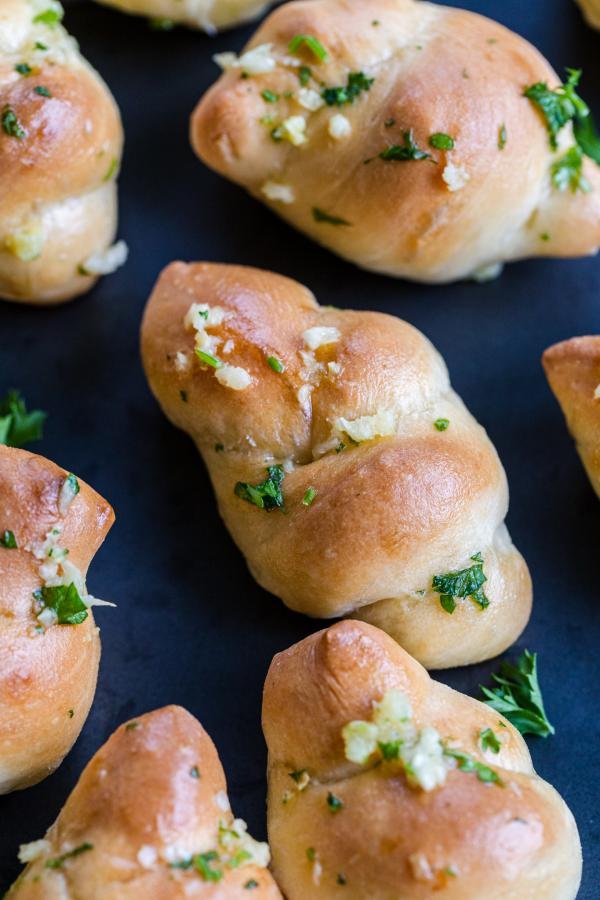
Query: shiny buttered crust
[209,15]
[591,10]
[573,371]
[58,193]
[47,677]
[153,794]
[466,839]
[389,513]
[436,69]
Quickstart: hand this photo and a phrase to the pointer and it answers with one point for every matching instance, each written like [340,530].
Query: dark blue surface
[192,627]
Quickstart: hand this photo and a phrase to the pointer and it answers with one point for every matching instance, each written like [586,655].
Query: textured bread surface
[464,839]
[208,15]
[389,513]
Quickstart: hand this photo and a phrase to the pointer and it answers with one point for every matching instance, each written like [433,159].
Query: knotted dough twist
[47,671]
[353,416]
[208,15]
[434,70]
[340,829]
[149,818]
[60,151]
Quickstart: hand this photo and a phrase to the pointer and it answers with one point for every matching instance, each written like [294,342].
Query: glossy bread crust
[139,806]
[48,678]
[389,513]
[208,15]
[436,69]
[58,193]
[466,839]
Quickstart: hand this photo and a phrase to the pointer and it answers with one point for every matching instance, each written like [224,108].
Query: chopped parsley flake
[341,878]
[319,215]
[466,763]
[309,496]
[489,741]
[558,106]
[195,772]
[70,713]
[17,426]
[441,141]
[23,69]
[334,803]
[310,41]
[58,861]
[267,494]
[131,726]
[403,153]
[161,24]
[40,46]
[269,96]
[251,884]
[587,137]
[441,424]
[464,583]
[544,236]
[111,172]
[389,123]
[209,359]
[311,854]
[567,172]
[8,540]
[502,137]
[518,696]
[71,480]
[42,91]
[11,125]
[276,364]
[201,862]
[304,75]
[299,776]
[49,17]
[65,601]
[219,448]
[337,96]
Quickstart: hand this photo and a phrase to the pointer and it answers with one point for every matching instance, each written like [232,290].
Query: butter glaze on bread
[436,69]
[573,372]
[47,677]
[390,512]
[208,15]
[517,841]
[58,192]
[140,804]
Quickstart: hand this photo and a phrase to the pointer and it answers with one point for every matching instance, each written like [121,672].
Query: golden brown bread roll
[573,371]
[401,74]
[60,151]
[149,819]
[444,798]
[48,670]
[386,478]
[591,10]
[209,15]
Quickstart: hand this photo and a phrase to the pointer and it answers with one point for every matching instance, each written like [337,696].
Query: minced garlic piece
[67,493]
[222,801]
[284,193]
[235,840]
[319,336]
[339,127]
[256,61]
[147,856]
[198,318]
[420,867]
[182,361]
[25,243]
[293,129]
[456,177]
[597,392]
[366,428]
[360,741]
[33,850]
[487,273]
[233,377]
[309,99]
[334,368]
[106,262]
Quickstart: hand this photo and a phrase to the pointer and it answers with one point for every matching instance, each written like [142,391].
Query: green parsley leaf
[161,24]
[334,803]
[11,125]
[464,583]
[40,46]
[309,496]
[544,236]
[320,215]
[587,136]
[111,172]
[441,424]
[567,172]
[311,854]
[337,96]
[201,862]
[276,364]
[58,861]
[441,141]
[42,91]
[558,106]
[518,696]
[468,764]
[304,75]
[49,17]
[251,884]
[195,772]
[73,483]
[209,359]
[64,599]
[389,749]
[23,69]
[17,426]
[269,96]
[313,44]
[298,775]
[267,494]
[8,540]
[131,726]
[502,137]
[489,741]
[219,448]
[408,151]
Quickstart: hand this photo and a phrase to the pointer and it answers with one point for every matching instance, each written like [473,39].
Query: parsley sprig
[463,583]
[404,152]
[17,426]
[466,763]
[65,601]
[267,494]
[356,83]
[518,696]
